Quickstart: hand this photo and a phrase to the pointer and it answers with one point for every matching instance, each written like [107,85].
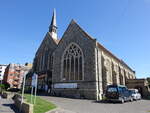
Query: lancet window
[73,63]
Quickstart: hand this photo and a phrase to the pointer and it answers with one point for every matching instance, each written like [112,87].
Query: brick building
[14,74]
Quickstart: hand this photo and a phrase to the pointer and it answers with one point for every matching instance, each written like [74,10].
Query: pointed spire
[53,26]
[53,23]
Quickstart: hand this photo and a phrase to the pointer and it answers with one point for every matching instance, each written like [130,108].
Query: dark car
[118,93]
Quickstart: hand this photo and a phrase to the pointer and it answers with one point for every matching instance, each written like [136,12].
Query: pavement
[7,106]
[67,105]
[59,110]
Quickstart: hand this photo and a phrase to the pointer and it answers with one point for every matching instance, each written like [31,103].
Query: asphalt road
[7,106]
[90,106]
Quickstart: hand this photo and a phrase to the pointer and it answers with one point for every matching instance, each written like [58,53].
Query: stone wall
[114,71]
[24,107]
[74,34]
[7,95]
[76,93]
[109,70]
[42,60]
[99,73]
[141,85]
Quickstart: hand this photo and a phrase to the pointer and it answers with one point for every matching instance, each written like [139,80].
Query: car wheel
[122,100]
[131,99]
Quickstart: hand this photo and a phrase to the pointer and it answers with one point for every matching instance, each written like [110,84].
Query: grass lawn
[41,105]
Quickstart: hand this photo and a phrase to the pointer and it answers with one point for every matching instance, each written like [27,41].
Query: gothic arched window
[72,63]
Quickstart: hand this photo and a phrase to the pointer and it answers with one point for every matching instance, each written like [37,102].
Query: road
[90,106]
[7,106]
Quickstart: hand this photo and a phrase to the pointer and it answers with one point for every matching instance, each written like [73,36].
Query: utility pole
[24,82]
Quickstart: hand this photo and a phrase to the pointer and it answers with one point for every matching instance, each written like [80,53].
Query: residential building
[14,74]
[2,71]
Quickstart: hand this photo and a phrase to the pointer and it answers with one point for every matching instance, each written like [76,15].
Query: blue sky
[122,26]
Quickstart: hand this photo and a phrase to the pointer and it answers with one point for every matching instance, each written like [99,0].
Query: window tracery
[73,63]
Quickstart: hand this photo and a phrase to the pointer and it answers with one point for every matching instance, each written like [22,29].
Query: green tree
[148,79]
[2,87]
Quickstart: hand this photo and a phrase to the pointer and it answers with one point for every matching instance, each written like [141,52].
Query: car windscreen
[112,89]
[133,92]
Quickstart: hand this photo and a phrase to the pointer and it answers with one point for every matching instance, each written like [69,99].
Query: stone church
[77,65]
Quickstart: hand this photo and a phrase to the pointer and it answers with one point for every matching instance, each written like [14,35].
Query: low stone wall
[24,107]
[76,93]
[8,95]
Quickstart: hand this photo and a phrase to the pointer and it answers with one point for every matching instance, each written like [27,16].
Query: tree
[148,79]
[6,85]
[2,87]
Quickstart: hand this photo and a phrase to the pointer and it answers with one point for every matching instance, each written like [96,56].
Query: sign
[34,87]
[34,80]
[65,85]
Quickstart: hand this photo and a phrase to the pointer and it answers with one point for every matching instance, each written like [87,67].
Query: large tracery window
[73,63]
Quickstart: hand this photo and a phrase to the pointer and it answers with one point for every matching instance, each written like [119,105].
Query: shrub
[6,86]
[2,86]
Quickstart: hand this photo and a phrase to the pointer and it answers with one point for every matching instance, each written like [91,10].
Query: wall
[42,60]
[141,85]
[87,86]
[25,107]
[2,71]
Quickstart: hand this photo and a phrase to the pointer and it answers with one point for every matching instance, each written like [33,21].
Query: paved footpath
[90,106]
[60,110]
[7,106]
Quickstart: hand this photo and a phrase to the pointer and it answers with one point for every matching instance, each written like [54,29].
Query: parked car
[135,94]
[118,93]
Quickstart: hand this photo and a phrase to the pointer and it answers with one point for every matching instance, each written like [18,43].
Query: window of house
[73,63]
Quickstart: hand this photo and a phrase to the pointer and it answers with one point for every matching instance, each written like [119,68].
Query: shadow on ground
[106,102]
[12,106]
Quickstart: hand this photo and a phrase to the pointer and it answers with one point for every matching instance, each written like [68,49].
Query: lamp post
[24,80]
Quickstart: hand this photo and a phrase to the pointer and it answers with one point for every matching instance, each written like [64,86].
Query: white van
[135,94]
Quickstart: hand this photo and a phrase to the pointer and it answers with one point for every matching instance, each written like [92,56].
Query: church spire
[53,26]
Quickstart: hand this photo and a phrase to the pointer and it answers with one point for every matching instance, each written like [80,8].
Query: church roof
[46,38]
[56,41]
[103,48]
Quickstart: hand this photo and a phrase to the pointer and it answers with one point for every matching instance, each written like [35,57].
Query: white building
[2,71]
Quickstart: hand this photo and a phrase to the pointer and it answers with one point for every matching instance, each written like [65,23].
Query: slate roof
[103,48]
